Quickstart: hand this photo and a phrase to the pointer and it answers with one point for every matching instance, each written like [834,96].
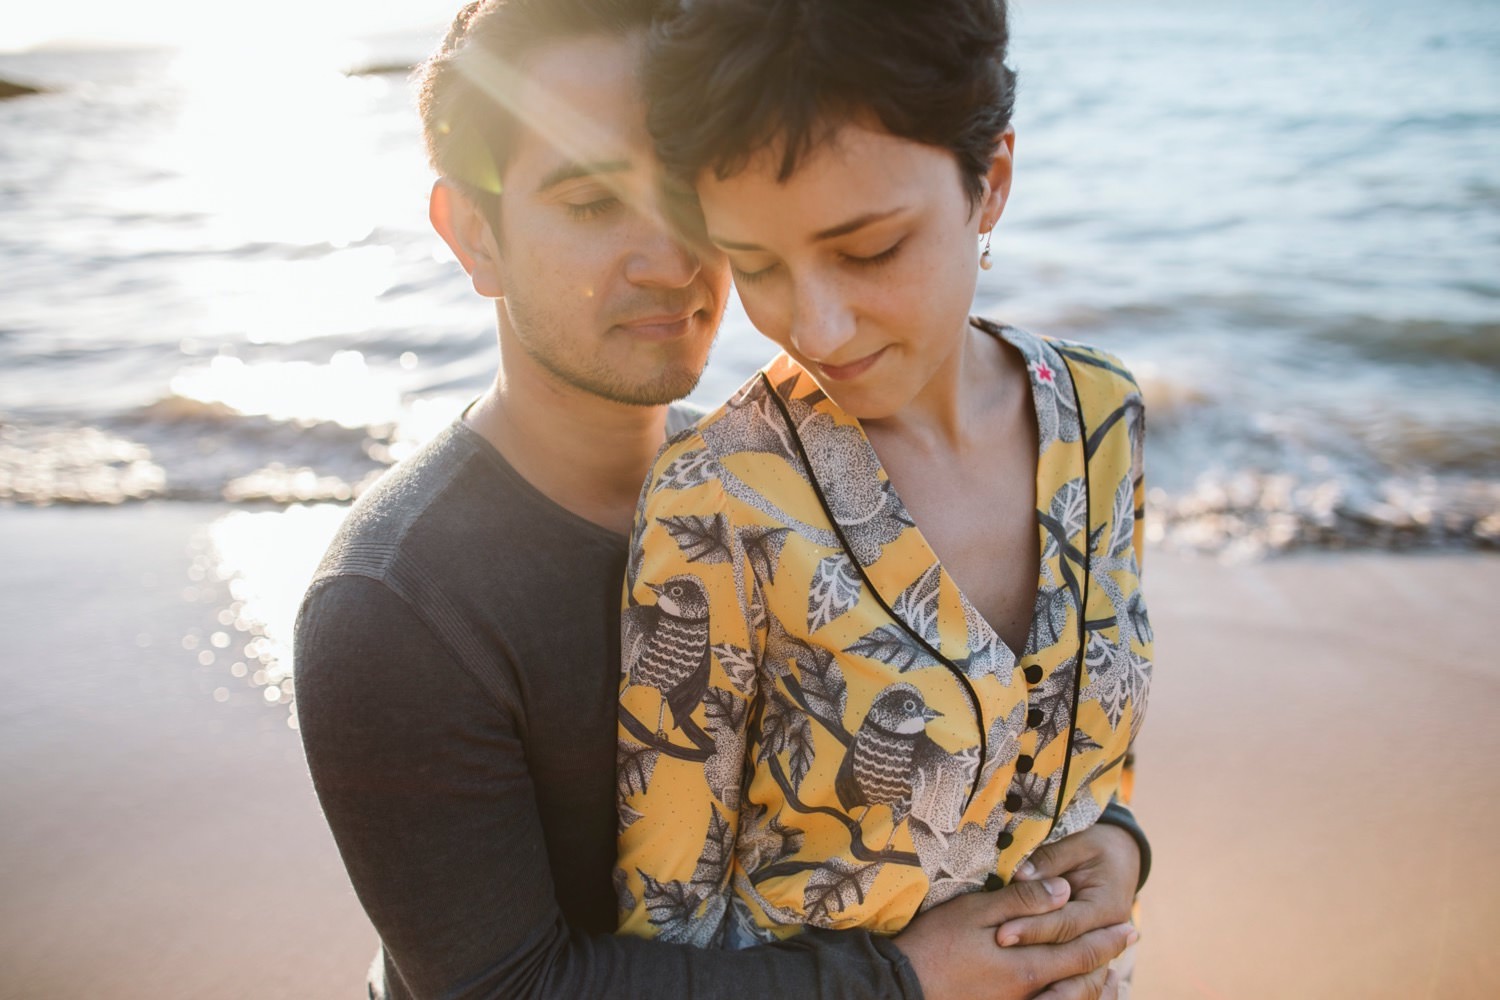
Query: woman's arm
[688,686]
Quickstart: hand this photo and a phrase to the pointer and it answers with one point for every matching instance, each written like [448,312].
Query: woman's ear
[468,234]
[997,180]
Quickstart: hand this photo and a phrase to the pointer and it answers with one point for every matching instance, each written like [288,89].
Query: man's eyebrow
[842,229]
[574,170]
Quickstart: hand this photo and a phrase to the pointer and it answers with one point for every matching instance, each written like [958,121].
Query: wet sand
[1317,775]
[155,843]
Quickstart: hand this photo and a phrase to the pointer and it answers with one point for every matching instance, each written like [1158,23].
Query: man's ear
[467,232]
[997,181]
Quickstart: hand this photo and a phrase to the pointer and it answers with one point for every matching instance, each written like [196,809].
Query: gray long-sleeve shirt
[457,675]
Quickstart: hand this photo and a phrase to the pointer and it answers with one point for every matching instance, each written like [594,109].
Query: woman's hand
[953,949]
[1101,865]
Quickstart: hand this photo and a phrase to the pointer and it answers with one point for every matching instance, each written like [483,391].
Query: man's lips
[661,326]
[854,369]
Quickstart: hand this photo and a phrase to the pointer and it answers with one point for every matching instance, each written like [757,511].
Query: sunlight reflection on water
[266,559]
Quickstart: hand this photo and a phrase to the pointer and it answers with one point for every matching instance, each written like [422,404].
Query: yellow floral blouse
[816,728]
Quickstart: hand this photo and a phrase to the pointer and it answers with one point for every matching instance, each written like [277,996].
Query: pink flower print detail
[1044,373]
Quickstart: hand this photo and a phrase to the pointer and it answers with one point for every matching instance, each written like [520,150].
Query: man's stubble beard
[536,333]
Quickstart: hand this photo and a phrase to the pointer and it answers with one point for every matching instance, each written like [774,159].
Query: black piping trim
[838,530]
[1083,607]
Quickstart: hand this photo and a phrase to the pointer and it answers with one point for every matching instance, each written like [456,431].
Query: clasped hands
[1049,935]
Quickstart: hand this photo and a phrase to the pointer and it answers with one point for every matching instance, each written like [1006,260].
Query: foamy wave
[75,465]
[1254,514]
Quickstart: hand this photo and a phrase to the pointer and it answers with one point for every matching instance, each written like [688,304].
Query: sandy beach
[1317,776]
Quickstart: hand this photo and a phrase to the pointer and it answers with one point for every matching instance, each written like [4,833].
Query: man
[458,649]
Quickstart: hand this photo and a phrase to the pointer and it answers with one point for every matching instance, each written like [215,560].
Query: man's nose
[658,255]
[822,321]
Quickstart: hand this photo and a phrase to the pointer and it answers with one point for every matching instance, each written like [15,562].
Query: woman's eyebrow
[845,228]
[842,229]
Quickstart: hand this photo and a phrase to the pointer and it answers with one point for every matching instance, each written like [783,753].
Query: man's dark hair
[467,87]
[726,78]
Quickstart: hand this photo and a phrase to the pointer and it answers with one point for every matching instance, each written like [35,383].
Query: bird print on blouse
[666,645]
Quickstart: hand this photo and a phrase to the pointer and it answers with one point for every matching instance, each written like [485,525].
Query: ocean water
[219,281]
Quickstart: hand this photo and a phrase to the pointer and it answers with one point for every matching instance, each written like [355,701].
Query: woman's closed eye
[752,275]
[875,260]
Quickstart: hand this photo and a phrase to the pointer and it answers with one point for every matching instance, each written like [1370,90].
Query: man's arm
[424,782]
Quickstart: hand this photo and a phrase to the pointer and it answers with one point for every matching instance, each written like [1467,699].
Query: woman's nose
[822,322]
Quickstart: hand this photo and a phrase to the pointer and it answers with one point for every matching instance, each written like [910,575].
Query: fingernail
[1027,870]
[1132,937]
[1055,886]
[1009,940]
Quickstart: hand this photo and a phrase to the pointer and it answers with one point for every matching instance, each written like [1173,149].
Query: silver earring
[985,261]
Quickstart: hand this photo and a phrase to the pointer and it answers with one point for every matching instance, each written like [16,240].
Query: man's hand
[1101,864]
[953,951]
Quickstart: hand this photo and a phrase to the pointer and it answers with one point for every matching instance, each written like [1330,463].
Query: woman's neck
[952,413]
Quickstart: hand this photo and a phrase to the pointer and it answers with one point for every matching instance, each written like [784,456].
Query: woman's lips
[854,369]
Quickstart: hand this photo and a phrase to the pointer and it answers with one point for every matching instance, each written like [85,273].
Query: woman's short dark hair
[466,88]
[726,78]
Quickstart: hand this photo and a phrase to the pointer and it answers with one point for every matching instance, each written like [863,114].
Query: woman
[884,635]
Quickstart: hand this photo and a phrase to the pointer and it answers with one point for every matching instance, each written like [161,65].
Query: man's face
[599,291]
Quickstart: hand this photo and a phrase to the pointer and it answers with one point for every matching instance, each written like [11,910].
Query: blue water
[220,283]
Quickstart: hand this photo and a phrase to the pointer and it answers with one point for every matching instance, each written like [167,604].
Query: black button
[1033,674]
[1004,840]
[993,882]
[1013,802]
[1023,763]
[1035,718]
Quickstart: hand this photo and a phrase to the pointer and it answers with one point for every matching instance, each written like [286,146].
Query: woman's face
[862,264]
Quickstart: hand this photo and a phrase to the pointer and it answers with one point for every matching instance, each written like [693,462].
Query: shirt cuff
[1117,814]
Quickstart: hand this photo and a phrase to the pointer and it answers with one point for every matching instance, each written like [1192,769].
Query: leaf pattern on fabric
[672,907]
[1054,696]
[1036,792]
[917,605]
[861,499]
[690,469]
[1122,519]
[836,886]
[892,645]
[763,548]
[1118,676]
[624,898]
[764,842]
[757,426]
[1082,812]
[834,590]
[738,664]
[786,729]
[1004,743]
[956,863]
[1070,506]
[724,769]
[626,814]
[1082,742]
[712,872]
[988,656]
[1140,622]
[1049,616]
[701,539]
[816,669]
[634,765]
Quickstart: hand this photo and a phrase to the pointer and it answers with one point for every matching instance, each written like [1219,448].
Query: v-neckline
[871,531]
